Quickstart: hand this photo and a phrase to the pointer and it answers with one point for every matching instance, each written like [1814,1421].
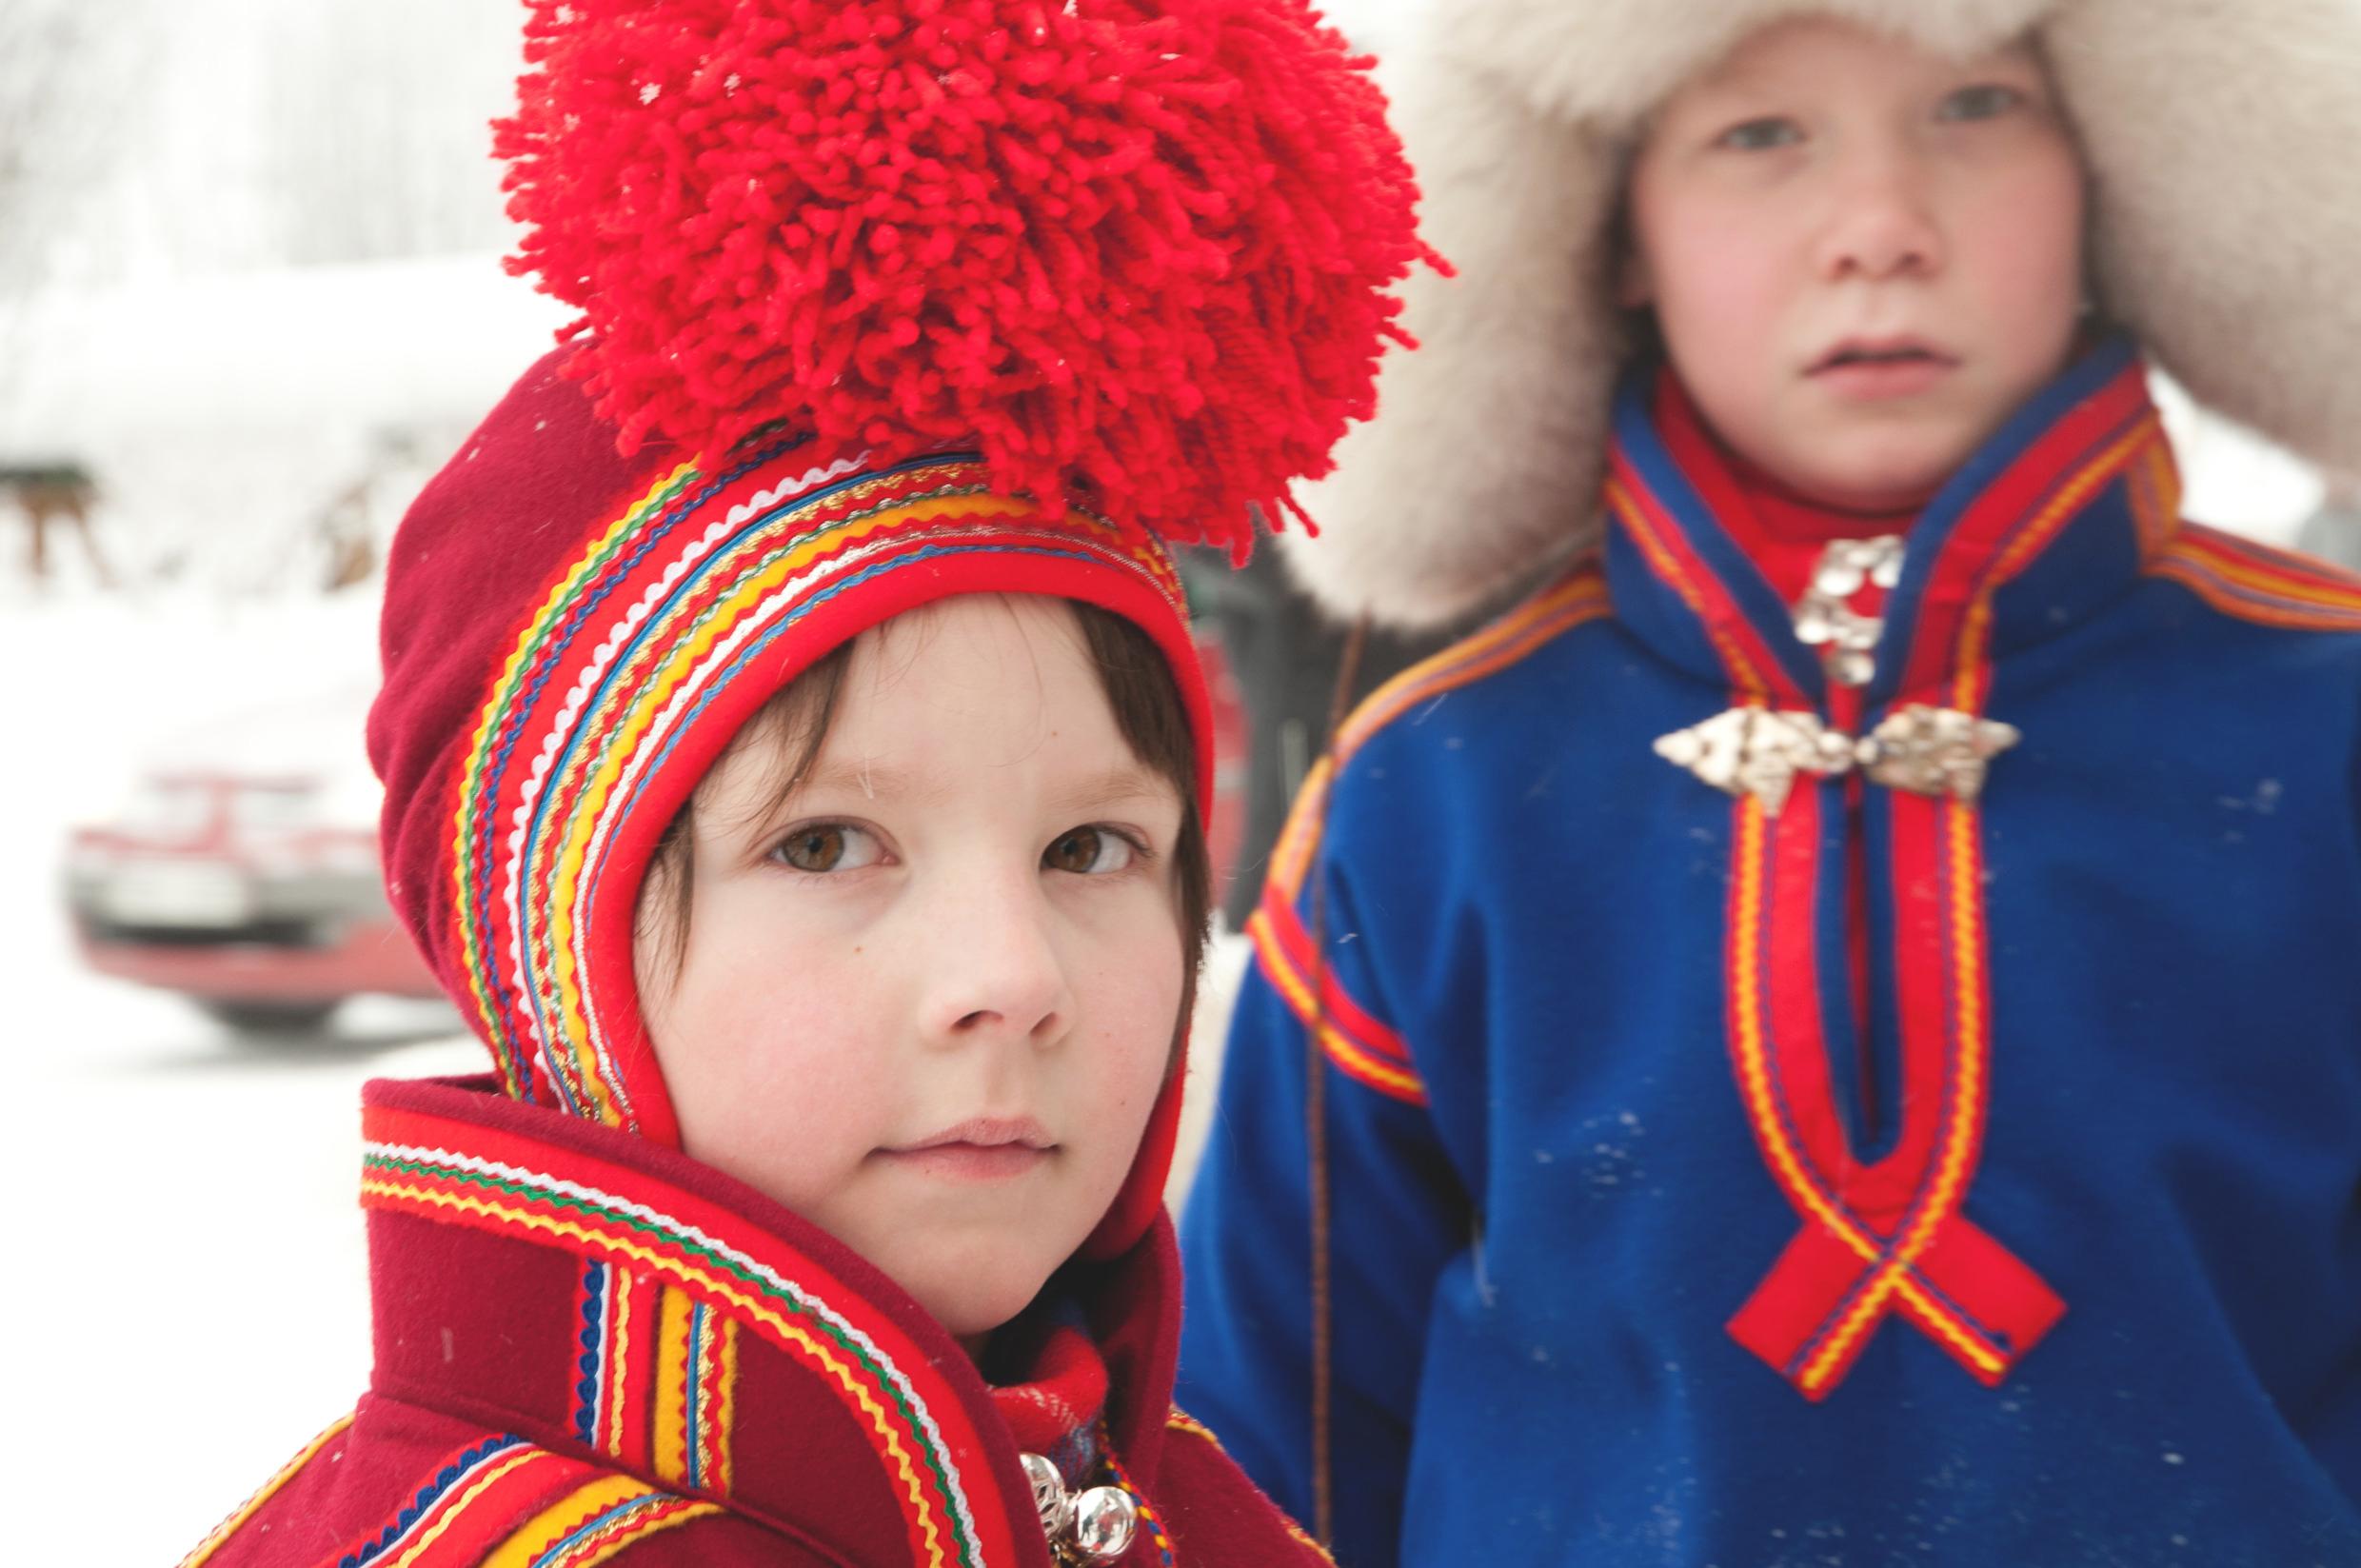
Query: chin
[970,1304]
[971,1285]
[1887,474]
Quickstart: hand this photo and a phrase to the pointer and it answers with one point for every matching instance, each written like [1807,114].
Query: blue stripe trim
[512,729]
[592,1362]
[621,1510]
[754,650]
[690,1378]
[448,1476]
[658,620]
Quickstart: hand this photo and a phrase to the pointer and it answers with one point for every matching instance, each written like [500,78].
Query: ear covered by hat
[882,301]
[2227,228]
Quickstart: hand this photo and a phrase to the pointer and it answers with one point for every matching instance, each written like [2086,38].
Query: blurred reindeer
[53,492]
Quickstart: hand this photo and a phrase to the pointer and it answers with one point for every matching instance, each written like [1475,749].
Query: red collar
[1781,530]
[2053,518]
[608,1296]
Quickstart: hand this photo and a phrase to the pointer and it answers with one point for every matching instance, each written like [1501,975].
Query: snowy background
[249,278]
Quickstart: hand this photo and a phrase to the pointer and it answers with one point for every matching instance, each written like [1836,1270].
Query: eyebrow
[872,780]
[1114,786]
[1128,781]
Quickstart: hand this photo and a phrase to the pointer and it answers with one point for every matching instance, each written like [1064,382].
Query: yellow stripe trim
[1346,1052]
[614,1538]
[1967,1103]
[620,1294]
[1755,1085]
[562,1517]
[670,1446]
[719,1407]
[1642,532]
[746,1307]
[2290,582]
[448,1511]
[1581,597]
[478,960]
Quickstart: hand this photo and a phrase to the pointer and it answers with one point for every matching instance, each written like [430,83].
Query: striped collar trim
[2056,516]
[672,1296]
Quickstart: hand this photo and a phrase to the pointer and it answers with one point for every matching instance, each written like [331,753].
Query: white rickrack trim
[803,1298]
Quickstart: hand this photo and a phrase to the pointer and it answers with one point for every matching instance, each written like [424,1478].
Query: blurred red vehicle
[241,872]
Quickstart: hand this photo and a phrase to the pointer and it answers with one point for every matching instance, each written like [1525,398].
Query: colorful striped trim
[205,1549]
[439,1184]
[530,668]
[1181,1420]
[695,1402]
[634,643]
[1149,1518]
[2255,583]
[1580,596]
[467,1505]
[451,1479]
[594,1522]
[1362,1047]
[1845,1271]
[1755,670]
[1358,1045]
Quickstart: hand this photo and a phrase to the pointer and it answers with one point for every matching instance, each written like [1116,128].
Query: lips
[1881,369]
[981,1148]
[1879,351]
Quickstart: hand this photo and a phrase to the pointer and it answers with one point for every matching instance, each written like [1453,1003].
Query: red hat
[883,303]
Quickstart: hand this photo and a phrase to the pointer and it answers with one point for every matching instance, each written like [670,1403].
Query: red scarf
[1780,530]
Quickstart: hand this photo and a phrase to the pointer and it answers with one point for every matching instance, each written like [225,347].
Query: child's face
[927,1000]
[1863,257]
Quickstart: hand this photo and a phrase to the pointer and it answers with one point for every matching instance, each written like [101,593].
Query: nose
[1881,222]
[993,968]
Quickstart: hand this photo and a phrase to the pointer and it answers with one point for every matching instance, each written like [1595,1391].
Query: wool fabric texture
[590,1349]
[1135,254]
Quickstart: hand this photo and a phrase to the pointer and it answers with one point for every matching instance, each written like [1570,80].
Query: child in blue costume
[1837,1022]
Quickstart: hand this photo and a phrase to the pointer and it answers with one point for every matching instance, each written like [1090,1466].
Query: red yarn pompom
[1138,253]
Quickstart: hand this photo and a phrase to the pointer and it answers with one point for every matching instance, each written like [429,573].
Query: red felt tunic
[588,1345]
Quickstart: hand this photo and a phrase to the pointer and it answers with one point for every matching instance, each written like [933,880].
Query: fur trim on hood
[2226,239]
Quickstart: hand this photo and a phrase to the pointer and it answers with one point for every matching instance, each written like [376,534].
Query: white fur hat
[2224,141]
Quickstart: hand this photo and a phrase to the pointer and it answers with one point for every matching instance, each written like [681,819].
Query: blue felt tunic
[1640,1253]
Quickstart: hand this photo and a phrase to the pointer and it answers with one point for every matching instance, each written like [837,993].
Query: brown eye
[1088,851]
[828,846]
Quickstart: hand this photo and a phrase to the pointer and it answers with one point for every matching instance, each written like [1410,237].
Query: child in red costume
[796,762]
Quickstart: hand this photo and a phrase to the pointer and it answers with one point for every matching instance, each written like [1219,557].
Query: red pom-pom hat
[1137,254]
[814,390]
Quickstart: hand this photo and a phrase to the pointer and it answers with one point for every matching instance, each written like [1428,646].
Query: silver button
[1105,1518]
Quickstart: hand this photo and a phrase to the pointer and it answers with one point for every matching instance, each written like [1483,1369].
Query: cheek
[2027,237]
[1719,277]
[1129,989]
[751,1045]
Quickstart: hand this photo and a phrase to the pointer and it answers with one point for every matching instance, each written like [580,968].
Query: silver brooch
[1087,1528]
[1847,641]
[1758,751]
[1935,750]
